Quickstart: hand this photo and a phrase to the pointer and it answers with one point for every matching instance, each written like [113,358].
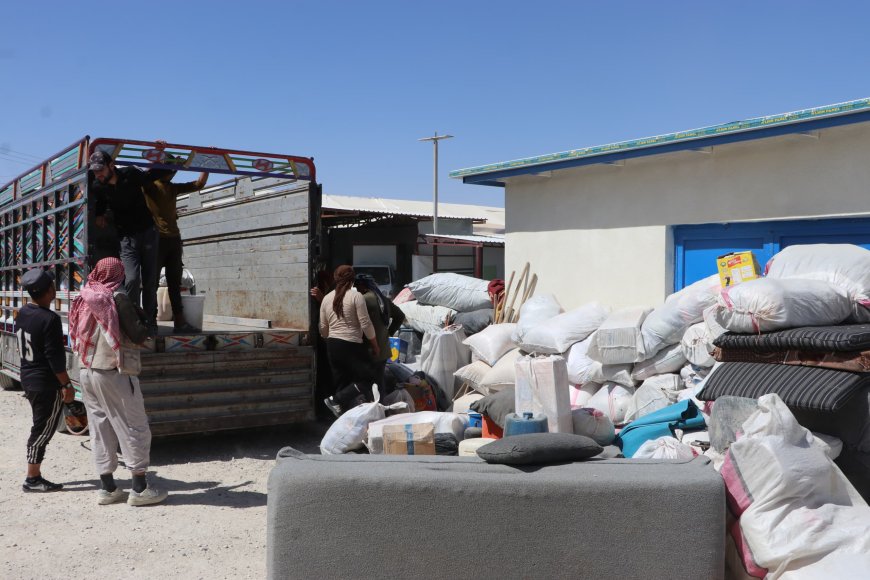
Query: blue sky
[355,84]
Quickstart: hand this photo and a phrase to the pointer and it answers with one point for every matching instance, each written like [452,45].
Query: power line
[9,151]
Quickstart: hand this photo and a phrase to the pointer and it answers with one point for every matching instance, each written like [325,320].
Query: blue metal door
[697,246]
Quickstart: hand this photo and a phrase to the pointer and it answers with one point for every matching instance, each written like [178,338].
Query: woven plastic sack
[349,431]
[580,394]
[582,369]
[844,265]
[619,339]
[593,424]
[668,360]
[503,374]
[664,448]
[537,309]
[442,355]
[472,374]
[612,400]
[542,388]
[492,343]
[455,291]
[667,323]
[556,335]
[424,318]
[766,304]
[697,346]
[655,393]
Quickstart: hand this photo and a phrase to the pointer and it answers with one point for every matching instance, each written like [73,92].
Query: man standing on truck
[121,190]
[43,371]
[160,198]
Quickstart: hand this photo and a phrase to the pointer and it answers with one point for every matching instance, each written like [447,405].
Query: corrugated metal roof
[488,240]
[412,208]
[757,124]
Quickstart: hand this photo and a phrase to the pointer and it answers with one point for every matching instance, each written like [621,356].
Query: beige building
[627,223]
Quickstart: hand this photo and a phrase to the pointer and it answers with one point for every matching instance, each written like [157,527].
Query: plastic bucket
[475,419]
[193,309]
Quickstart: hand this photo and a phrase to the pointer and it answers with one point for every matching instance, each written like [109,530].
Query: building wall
[601,232]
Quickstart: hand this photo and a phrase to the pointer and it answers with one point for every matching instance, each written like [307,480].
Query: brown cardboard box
[417,439]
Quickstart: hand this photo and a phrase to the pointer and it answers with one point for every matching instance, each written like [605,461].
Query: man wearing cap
[43,371]
[160,198]
[120,189]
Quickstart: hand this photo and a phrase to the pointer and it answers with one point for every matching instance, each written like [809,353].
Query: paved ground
[212,526]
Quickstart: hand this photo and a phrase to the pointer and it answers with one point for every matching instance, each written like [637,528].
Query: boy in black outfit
[43,371]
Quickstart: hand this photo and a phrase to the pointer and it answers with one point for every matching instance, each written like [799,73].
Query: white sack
[537,309]
[618,340]
[844,265]
[452,423]
[491,343]
[542,388]
[580,395]
[766,304]
[646,399]
[455,291]
[399,395]
[668,383]
[612,400]
[582,369]
[462,405]
[503,374]
[472,374]
[667,323]
[799,515]
[664,448]
[693,375]
[697,346]
[668,360]
[349,431]
[443,353]
[593,424]
[423,318]
[557,334]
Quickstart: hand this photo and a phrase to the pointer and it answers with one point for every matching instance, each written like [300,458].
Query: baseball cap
[37,280]
[98,160]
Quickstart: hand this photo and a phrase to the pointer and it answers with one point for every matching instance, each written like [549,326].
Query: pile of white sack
[630,362]
[439,297]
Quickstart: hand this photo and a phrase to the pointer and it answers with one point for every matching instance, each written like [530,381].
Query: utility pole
[435,140]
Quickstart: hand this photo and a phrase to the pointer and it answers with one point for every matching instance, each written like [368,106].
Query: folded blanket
[847,337]
[801,387]
[852,361]
[684,415]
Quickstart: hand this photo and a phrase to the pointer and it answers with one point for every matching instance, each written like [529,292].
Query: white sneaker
[146,497]
[109,497]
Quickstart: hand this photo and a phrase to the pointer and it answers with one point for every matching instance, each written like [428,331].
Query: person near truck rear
[44,378]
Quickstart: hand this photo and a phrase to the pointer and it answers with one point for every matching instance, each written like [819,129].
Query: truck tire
[7,383]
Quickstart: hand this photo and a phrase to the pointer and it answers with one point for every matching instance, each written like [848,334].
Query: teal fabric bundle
[684,415]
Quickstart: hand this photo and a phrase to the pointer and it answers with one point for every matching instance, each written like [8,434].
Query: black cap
[37,280]
[99,159]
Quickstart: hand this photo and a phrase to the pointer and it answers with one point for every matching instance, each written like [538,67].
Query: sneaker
[185,327]
[109,497]
[333,406]
[41,485]
[146,497]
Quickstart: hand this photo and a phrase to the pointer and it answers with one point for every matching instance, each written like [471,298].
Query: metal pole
[435,140]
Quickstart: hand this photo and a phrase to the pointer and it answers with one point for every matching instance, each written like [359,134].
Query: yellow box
[737,267]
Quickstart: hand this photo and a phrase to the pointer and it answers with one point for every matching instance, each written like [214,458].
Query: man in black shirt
[120,189]
[43,371]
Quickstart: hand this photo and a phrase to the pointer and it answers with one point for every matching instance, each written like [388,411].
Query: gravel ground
[213,525]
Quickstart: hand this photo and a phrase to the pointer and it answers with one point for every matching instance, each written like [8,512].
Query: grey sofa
[363,516]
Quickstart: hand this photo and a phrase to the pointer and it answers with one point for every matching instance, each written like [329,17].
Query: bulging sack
[844,265]
[542,388]
[424,318]
[443,354]
[593,424]
[655,393]
[580,394]
[493,342]
[619,340]
[668,360]
[349,431]
[537,309]
[767,304]
[612,400]
[667,323]
[664,448]
[454,291]
[582,369]
[697,346]
[556,335]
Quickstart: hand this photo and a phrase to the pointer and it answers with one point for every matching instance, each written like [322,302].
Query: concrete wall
[602,232]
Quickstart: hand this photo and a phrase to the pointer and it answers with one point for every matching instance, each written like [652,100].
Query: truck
[252,244]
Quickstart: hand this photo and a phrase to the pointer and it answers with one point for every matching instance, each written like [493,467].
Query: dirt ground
[213,525]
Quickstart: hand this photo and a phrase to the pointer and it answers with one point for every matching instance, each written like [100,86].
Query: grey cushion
[497,406]
[816,338]
[375,516]
[810,388]
[539,448]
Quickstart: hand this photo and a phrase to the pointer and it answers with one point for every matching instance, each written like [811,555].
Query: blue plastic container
[475,419]
[525,423]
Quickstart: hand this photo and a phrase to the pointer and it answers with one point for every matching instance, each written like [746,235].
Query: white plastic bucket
[193,309]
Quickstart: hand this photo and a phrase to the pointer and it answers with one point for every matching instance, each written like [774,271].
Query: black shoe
[187,328]
[41,485]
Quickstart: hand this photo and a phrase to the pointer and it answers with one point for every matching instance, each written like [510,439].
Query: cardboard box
[418,439]
[737,267]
